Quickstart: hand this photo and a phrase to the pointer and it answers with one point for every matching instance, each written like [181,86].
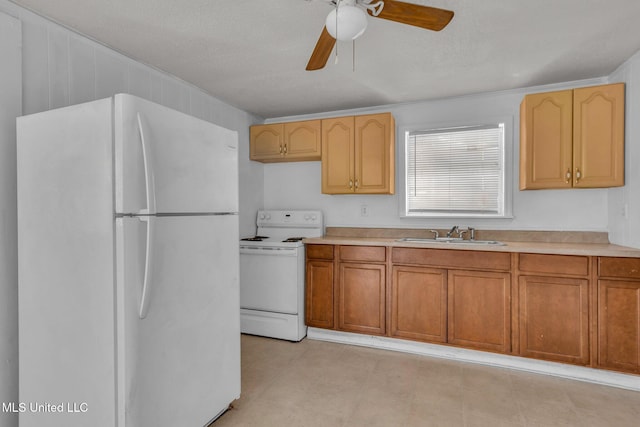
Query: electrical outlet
[364,210]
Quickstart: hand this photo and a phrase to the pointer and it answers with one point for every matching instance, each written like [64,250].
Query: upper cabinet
[358,154]
[573,138]
[286,142]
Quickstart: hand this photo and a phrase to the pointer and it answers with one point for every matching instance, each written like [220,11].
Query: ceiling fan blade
[426,17]
[322,51]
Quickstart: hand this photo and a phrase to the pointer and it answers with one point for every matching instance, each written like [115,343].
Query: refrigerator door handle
[148,265]
[149,179]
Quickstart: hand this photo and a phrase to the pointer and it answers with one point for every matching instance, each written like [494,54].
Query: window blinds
[455,170]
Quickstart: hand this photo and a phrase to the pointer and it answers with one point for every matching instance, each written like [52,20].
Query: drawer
[319,251]
[363,253]
[554,264]
[626,268]
[449,258]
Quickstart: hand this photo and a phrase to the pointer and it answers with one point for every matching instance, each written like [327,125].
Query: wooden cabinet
[286,142]
[358,154]
[419,303]
[338,155]
[554,319]
[542,306]
[346,288]
[319,289]
[467,301]
[619,314]
[573,138]
[553,309]
[480,310]
[546,140]
[565,308]
[362,289]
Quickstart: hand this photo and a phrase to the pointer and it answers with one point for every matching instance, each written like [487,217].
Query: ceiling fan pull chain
[353,64]
[337,5]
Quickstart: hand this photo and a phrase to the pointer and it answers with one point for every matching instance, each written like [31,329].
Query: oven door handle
[268,251]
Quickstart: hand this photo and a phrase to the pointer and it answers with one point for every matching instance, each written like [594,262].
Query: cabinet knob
[357,184]
[568,176]
[578,175]
[285,149]
[281,149]
[350,184]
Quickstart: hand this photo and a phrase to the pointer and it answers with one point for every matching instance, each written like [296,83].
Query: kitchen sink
[457,241]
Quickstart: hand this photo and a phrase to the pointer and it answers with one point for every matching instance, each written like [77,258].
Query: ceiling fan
[348,21]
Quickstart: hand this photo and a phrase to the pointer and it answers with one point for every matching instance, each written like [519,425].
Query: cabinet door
[598,136]
[419,303]
[302,140]
[338,155]
[374,154]
[619,325]
[319,301]
[362,298]
[554,318]
[266,142]
[546,138]
[479,310]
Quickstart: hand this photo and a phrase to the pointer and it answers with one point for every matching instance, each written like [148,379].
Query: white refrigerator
[128,267]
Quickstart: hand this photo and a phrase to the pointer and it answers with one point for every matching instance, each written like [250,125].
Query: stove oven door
[271,278]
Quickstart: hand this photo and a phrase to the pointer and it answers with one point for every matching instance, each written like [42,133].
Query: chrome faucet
[435,234]
[454,229]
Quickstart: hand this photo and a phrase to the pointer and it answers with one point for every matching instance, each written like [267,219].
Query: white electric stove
[272,273]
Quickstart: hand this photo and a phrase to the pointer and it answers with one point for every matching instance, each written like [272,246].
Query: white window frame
[507,169]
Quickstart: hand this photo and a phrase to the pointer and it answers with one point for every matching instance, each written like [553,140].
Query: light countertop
[558,248]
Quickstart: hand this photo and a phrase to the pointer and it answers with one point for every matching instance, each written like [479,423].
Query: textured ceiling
[252,53]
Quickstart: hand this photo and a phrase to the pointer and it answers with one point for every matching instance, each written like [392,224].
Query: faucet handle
[472,233]
[436,234]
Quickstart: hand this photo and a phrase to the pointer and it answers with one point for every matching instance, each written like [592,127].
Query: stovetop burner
[255,238]
[293,239]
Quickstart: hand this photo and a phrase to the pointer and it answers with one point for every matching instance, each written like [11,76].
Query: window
[455,171]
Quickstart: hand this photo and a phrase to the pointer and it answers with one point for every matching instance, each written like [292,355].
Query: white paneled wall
[10,101]
[61,68]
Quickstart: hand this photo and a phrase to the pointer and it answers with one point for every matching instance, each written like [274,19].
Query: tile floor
[315,383]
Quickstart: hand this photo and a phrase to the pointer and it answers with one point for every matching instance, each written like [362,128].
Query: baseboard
[579,373]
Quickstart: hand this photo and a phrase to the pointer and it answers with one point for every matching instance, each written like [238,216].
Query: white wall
[59,68]
[297,185]
[10,105]
[624,202]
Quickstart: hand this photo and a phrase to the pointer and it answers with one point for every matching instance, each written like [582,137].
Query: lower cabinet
[619,325]
[419,303]
[362,298]
[554,318]
[319,298]
[362,285]
[451,296]
[460,307]
[553,309]
[619,314]
[480,310]
[319,286]
[582,310]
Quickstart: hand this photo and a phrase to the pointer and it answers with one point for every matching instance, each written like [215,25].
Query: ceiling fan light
[351,23]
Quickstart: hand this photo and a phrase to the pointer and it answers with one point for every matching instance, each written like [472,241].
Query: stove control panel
[290,218]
